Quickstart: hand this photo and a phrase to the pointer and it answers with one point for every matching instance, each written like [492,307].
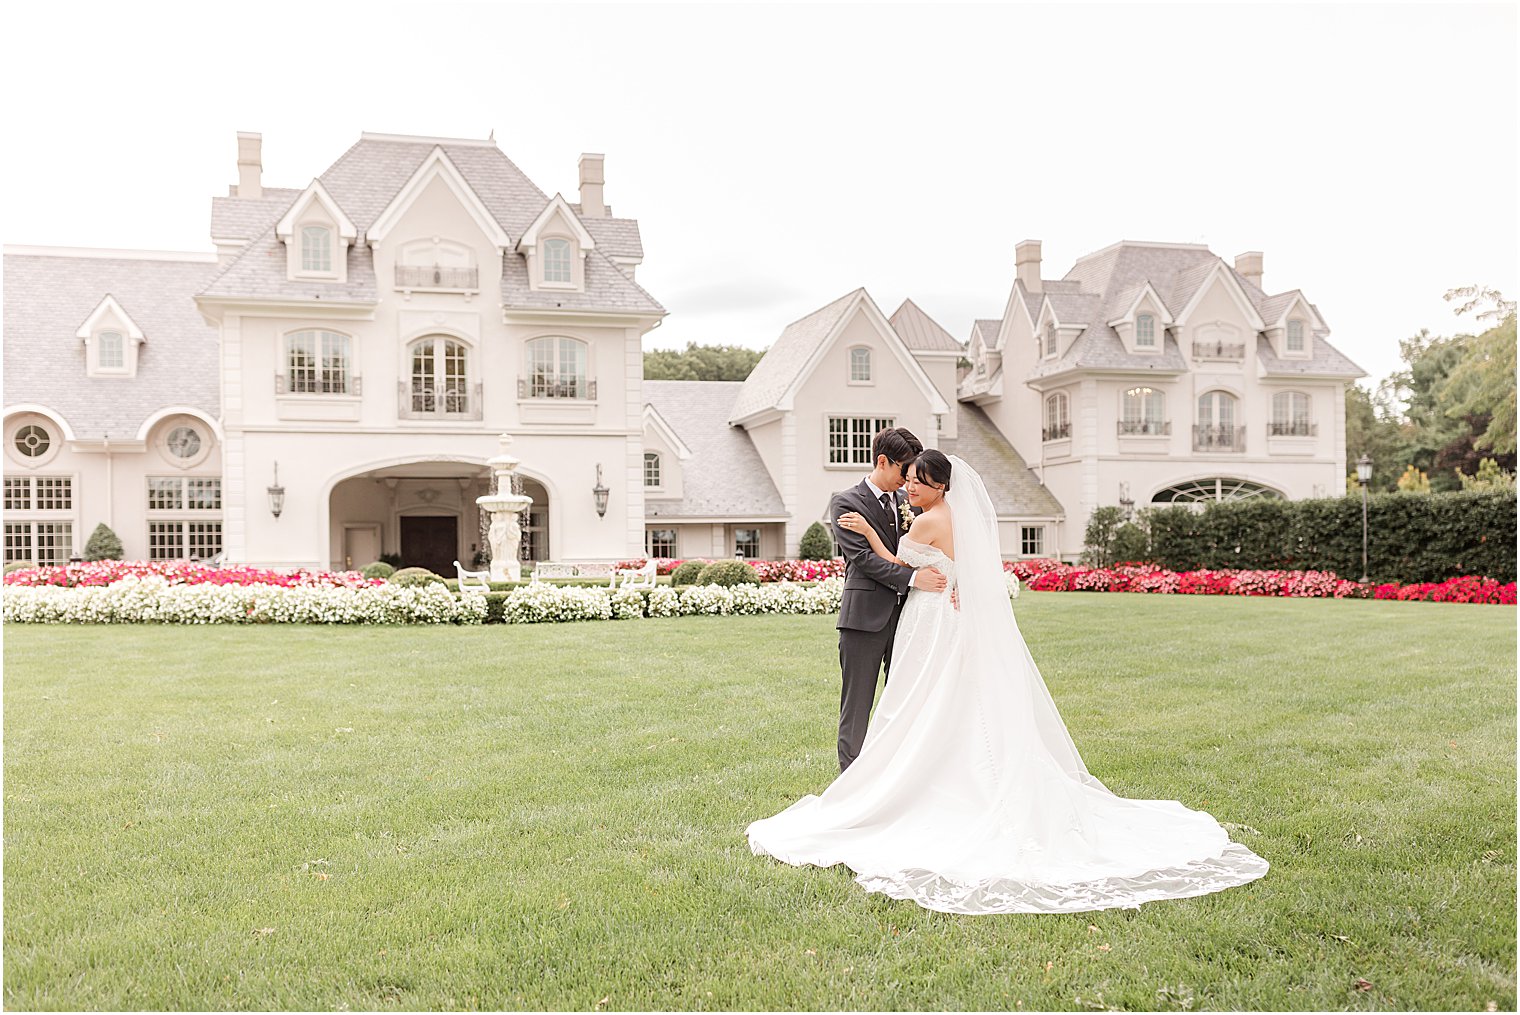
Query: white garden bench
[635,577]
[472,582]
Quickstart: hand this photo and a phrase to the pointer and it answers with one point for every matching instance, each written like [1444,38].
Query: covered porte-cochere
[423,514]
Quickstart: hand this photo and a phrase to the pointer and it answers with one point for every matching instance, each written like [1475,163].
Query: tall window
[1295,335]
[660,543]
[1290,415]
[194,534]
[440,376]
[1145,331]
[1216,429]
[1143,412]
[850,438]
[1032,540]
[747,543]
[110,353]
[42,540]
[557,261]
[860,364]
[557,368]
[1057,417]
[651,469]
[316,248]
[1050,339]
[317,362]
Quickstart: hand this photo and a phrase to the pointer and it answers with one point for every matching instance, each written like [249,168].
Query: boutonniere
[907,514]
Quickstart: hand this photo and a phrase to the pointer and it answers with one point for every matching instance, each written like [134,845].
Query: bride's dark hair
[931,464]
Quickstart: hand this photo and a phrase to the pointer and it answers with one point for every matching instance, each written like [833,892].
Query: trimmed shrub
[103,544]
[1131,544]
[1098,541]
[415,576]
[815,543]
[393,559]
[379,569]
[18,565]
[687,573]
[728,573]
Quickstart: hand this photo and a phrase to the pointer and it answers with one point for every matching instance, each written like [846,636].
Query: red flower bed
[1052,576]
[769,570]
[181,572]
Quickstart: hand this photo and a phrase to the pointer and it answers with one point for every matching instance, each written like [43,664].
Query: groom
[873,588]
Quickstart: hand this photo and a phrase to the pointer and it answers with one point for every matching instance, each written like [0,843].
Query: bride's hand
[854,521]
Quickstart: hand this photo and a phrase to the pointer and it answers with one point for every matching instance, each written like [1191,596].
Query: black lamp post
[276,494]
[1364,476]
[599,491]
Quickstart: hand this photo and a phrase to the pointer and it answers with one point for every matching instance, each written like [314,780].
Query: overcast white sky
[779,156]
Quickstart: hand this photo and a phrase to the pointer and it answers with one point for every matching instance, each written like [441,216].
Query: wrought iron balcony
[1219,350]
[1219,438]
[1056,433]
[318,385]
[1293,428]
[415,276]
[423,402]
[1144,428]
[556,387]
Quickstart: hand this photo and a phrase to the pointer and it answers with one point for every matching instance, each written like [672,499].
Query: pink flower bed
[769,570]
[1052,576]
[180,572]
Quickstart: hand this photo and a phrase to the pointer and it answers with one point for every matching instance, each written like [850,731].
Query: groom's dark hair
[898,444]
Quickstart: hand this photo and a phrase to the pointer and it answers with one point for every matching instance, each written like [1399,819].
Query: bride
[968,795]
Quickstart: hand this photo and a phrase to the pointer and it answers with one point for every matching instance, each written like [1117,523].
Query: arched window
[111,353]
[557,368]
[1057,417]
[32,441]
[1202,491]
[860,364]
[316,248]
[183,442]
[440,376]
[317,362]
[1216,429]
[651,469]
[1144,412]
[1295,335]
[1145,331]
[1290,415]
[557,261]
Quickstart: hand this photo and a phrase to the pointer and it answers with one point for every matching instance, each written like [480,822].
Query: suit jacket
[873,587]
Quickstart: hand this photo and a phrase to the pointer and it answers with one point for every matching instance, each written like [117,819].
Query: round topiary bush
[728,572]
[415,576]
[816,544]
[379,569]
[687,573]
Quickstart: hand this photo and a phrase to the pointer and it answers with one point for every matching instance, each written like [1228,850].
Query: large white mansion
[328,385]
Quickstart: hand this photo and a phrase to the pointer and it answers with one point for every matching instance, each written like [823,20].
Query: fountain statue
[504,507]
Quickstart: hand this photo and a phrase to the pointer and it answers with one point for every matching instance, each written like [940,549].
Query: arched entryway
[417,514]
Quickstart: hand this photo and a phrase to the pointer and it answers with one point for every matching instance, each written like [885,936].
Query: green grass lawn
[553,816]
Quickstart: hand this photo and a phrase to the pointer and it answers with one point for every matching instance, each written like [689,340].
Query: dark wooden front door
[430,542]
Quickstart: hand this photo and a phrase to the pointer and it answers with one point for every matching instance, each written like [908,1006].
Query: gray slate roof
[243,218]
[988,330]
[784,360]
[48,297]
[368,176]
[725,476]
[920,332]
[1326,361]
[1012,485]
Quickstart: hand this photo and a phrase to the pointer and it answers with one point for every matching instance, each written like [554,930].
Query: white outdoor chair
[472,582]
[635,577]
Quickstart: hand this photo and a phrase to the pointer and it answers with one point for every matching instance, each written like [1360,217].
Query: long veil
[997,651]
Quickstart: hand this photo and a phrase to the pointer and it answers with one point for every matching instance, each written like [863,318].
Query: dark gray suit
[873,596]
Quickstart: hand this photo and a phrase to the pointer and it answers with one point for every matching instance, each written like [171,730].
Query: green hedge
[1411,537]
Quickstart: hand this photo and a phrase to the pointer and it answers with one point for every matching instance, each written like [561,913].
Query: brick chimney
[1248,266]
[250,164]
[592,178]
[1027,260]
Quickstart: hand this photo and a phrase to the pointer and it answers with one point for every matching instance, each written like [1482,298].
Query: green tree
[1098,540]
[701,363]
[815,543]
[103,544]
[1374,429]
[1414,481]
[1482,386]
[1488,477]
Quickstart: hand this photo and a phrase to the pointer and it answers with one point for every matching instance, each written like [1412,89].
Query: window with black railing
[1290,415]
[556,369]
[1219,350]
[1144,427]
[1217,437]
[439,385]
[436,276]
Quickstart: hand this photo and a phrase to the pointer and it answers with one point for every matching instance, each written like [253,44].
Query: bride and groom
[965,793]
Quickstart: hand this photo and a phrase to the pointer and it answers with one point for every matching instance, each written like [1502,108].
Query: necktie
[886,504]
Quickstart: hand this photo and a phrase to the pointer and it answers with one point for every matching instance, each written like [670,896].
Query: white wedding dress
[968,795]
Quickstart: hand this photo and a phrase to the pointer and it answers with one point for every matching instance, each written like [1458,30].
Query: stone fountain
[504,507]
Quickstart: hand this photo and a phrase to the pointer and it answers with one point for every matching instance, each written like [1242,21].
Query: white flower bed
[153,600]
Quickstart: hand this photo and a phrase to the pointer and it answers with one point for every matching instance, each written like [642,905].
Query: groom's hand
[929,579]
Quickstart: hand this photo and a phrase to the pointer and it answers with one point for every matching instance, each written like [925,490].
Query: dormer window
[860,366]
[112,351]
[557,266]
[1050,339]
[1295,335]
[1145,331]
[651,469]
[316,249]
